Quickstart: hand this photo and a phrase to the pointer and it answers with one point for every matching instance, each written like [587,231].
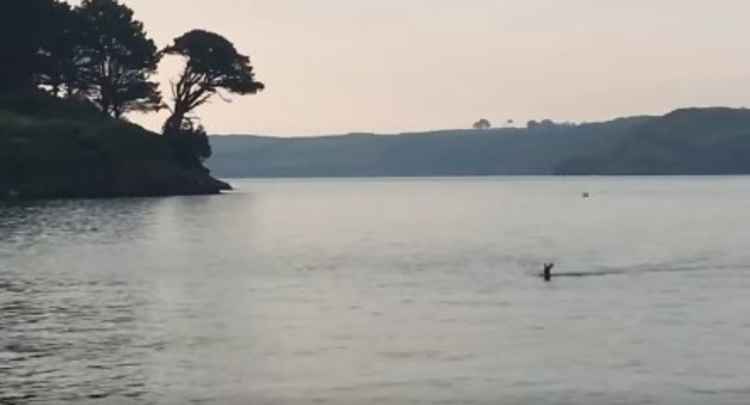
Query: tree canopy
[120,59]
[482,124]
[61,50]
[212,64]
[97,50]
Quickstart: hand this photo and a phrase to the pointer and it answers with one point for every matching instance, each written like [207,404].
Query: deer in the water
[548,271]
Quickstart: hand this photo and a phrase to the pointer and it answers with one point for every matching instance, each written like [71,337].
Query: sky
[390,66]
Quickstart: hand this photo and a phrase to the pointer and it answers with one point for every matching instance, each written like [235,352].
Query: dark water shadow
[631,272]
[588,274]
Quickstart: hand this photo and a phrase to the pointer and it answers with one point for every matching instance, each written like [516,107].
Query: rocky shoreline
[182,183]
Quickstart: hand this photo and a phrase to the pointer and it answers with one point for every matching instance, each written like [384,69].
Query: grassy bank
[50,148]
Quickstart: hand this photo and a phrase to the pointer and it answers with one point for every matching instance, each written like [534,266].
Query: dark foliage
[61,50]
[191,145]
[119,59]
[97,51]
[37,104]
[21,34]
[65,148]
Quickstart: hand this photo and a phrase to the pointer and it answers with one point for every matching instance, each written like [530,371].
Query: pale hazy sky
[337,66]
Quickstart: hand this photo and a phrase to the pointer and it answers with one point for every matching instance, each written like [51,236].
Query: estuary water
[383,291]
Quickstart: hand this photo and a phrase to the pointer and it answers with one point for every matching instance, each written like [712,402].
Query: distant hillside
[536,151]
[689,141]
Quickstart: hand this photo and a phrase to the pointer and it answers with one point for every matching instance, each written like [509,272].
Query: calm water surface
[382,292]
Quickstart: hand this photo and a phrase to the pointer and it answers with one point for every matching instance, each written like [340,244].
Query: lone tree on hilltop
[482,124]
[212,64]
[120,58]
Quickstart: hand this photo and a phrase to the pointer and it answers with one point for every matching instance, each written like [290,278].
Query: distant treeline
[99,53]
[691,141]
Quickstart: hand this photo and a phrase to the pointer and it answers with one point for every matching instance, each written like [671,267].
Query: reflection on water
[66,339]
[382,292]
[69,336]
[26,225]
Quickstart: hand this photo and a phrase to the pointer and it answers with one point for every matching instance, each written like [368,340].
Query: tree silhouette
[482,124]
[120,58]
[212,64]
[547,123]
[61,52]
